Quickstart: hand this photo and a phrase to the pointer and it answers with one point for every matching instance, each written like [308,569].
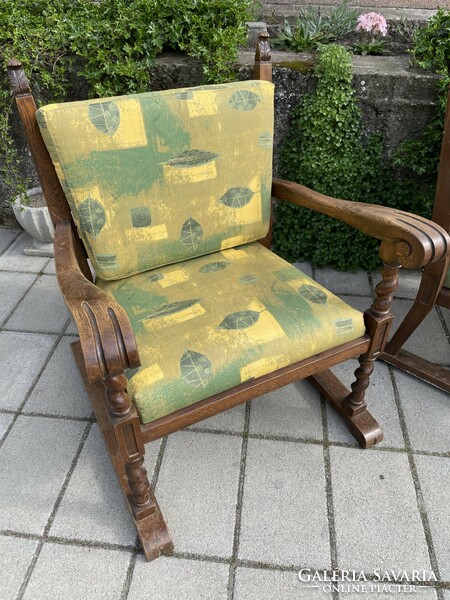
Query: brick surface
[73,573]
[197,491]
[177,579]
[284,515]
[377,520]
[22,356]
[34,461]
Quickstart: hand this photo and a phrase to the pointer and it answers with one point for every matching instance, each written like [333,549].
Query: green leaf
[155,277]
[105,116]
[240,320]
[170,309]
[196,369]
[191,235]
[192,158]
[92,216]
[140,217]
[313,294]
[244,100]
[213,266]
[237,197]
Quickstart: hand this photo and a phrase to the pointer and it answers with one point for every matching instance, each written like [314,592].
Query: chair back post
[262,70]
[441,211]
[51,187]
[263,60]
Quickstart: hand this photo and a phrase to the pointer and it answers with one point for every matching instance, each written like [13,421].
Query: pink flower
[372,23]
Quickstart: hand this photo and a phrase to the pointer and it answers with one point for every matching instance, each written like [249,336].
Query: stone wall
[280,7]
[395,99]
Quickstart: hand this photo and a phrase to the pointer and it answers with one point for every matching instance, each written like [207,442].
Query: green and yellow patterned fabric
[161,177]
[208,324]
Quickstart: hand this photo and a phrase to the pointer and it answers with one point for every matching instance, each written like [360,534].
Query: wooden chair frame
[430,291]
[107,346]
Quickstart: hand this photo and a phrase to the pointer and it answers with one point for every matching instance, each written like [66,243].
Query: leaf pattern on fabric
[244,100]
[140,217]
[188,95]
[248,278]
[237,197]
[191,235]
[192,158]
[313,294]
[242,319]
[92,216]
[344,326]
[106,260]
[170,309]
[196,369]
[213,266]
[105,116]
[155,277]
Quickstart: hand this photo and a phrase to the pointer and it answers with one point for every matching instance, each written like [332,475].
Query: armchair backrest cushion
[156,178]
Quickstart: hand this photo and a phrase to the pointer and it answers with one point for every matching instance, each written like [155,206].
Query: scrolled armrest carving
[17,78]
[416,241]
[106,336]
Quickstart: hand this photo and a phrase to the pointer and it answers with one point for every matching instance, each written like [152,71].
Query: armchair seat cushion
[205,325]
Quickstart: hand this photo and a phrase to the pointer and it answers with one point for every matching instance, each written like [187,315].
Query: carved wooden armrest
[106,336]
[407,239]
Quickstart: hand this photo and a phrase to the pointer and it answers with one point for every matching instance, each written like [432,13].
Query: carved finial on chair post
[17,78]
[263,58]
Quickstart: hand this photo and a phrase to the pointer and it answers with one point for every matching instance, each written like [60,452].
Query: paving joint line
[8,246]
[239,504]
[443,322]
[129,575]
[19,302]
[416,482]
[18,412]
[329,492]
[51,518]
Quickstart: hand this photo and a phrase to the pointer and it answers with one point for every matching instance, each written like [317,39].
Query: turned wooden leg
[121,430]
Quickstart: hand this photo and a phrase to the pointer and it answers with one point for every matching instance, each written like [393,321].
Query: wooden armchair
[168,194]
[434,285]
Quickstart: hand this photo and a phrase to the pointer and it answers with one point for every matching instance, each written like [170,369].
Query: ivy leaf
[244,100]
[213,266]
[92,216]
[237,197]
[192,158]
[191,235]
[313,294]
[196,369]
[105,116]
[170,309]
[240,320]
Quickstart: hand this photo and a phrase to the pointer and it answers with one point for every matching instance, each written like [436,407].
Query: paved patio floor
[251,496]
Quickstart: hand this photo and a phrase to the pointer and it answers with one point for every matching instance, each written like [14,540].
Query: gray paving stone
[13,259]
[60,389]
[339,282]
[304,267]
[447,594]
[50,268]
[419,593]
[284,515]
[380,400]
[427,413]
[15,557]
[378,525]
[34,461]
[178,579]
[5,421]
[259,584]
[428,340]
[93,507]
[22,356]
[12,288]
[408,284]
[434,477]
[229,420]
[42,309]
[72,328]
[197,491]
[7,236]
[293,411]
[64,572]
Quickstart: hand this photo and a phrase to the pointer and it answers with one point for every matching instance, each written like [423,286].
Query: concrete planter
[34,217]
